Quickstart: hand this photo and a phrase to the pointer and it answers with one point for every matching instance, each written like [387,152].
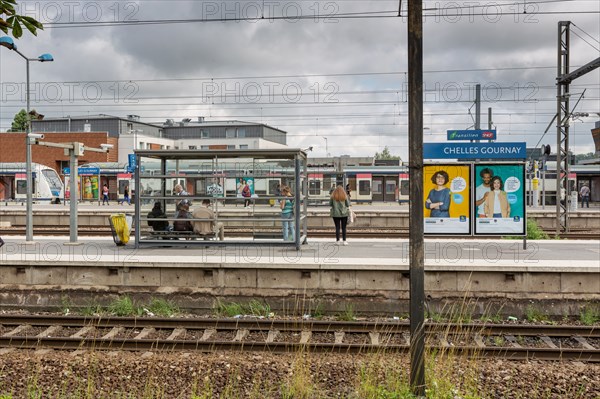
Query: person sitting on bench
[157,213]
[209,227]
[183,213]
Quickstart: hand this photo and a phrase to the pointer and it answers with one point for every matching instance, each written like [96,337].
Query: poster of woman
[446,192]
[499,199]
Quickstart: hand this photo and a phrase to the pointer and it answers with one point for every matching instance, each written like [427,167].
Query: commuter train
[47,184]
[368,184]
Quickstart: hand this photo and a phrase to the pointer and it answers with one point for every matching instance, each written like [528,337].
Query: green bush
[534,232]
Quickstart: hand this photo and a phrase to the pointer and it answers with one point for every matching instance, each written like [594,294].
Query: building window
[243,146]
[204,134]
[142,145]
[63,165]
[230,132]
[205,147]
[231,147]
[241,132]
[193,147]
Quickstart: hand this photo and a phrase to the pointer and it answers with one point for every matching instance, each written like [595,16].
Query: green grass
[319,311]
[254,308]
[534,315]
[347,314]
[124,306]
[163,308]
[589,315]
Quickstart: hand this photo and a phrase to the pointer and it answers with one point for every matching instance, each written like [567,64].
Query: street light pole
[326,147]
[29,206]
[10,44]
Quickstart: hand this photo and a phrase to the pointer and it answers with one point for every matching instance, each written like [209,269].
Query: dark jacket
[181,224]
[157,225]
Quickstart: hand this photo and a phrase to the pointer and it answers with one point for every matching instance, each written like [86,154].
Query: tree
[11,21]
[19,123]
[582,157]
[385,154]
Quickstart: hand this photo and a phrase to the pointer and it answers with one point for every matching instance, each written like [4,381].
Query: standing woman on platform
[287,214]
[340,210]
[105,194]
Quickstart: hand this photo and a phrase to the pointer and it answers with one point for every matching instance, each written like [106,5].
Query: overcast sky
[338,80]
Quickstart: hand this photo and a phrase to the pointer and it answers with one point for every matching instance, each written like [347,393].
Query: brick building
[12,148]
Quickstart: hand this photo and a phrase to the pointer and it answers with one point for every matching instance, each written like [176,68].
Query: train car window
[53,179]
[122,185]
[404,187]
[21,187]
[314,187]
[273,186]
[377,186]
[390,187]
[364,187]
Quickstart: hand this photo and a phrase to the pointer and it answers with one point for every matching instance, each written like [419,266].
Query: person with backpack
[287,214]
[246,193]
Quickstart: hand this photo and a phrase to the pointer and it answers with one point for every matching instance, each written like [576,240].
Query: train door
[21,186]
[377,189]
[391,192]
[315,185]
[363,187]
[123,181]
[403,188]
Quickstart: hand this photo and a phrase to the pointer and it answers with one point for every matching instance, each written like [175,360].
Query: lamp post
[8,42]
[326,147]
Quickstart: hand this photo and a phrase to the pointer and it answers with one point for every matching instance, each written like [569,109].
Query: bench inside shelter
[175,235]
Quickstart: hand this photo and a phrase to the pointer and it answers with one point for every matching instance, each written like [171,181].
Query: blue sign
[132,162]
[83,171]
[471,135]
[474,150]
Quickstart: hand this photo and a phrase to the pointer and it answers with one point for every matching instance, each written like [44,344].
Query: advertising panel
[243,182]
[447,193]
[499,199]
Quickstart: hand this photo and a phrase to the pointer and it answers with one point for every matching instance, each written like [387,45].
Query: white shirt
[497,208]
[479,193]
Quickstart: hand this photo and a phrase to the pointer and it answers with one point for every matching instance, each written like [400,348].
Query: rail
[510,341]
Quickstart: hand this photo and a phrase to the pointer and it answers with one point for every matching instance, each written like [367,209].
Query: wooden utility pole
[415,161]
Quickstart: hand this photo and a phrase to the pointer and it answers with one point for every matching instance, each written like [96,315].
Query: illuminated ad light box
[499,199]
[446,196]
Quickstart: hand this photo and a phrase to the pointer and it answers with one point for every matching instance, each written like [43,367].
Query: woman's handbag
[351,216]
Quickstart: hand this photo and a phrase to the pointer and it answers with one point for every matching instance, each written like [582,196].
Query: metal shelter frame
[289,165]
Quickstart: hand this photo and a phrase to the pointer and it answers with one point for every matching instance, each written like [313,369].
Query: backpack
[246,191]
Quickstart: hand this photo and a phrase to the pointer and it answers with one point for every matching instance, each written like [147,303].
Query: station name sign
[474,150]
[83,171]
[471,134]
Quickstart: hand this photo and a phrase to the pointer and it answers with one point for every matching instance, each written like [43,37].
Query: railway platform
[380,216]
[372,274]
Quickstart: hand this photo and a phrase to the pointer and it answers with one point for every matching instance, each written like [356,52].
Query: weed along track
[508,341]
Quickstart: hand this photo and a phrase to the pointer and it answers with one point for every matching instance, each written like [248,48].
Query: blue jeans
[287,223]
[585,199]
[497,215]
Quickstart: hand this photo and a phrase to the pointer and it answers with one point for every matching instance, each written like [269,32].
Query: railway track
[516,342]
[104,231]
